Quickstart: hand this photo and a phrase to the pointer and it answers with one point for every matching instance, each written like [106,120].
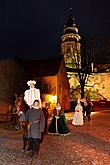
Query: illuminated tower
[70,45]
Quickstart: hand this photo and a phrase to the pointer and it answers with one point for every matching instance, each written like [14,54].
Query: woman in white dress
[32,94]
[78,115]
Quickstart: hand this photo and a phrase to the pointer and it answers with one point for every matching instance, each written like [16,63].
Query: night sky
[31,29]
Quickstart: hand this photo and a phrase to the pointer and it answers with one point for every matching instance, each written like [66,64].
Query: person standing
[32,94]
[78,115]
[23,124]
[88,110]
[83,104]
[36,124]
[45,111]
[58,125]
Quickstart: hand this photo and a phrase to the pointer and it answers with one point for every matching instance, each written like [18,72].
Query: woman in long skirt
[58,125]
[78,115]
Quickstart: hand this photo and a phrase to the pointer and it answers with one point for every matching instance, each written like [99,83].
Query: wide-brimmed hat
[31,82]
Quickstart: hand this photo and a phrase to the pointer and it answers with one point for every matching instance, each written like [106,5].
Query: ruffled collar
[35,107]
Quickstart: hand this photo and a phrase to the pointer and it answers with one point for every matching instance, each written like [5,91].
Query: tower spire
[70,14]
[70,10]
[70,45]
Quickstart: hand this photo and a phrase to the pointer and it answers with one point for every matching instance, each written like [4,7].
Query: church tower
[70,43]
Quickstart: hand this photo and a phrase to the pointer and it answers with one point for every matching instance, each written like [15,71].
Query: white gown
[78,116]
[31,95]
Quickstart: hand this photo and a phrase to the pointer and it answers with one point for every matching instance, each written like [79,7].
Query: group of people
[82,111]
[33,119]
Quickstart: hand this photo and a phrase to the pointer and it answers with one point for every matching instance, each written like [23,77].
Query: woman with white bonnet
[78,115]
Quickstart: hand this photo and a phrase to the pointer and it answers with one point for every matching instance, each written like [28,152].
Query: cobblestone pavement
[86,145]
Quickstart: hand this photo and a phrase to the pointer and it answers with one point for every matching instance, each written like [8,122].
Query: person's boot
[24,142]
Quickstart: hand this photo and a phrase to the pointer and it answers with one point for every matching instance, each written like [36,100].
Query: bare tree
[83,63]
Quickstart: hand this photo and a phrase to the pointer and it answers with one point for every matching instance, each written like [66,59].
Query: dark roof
[43,67]
[70,20]
[98,68]
[69,26]
[102,68]
[102,58]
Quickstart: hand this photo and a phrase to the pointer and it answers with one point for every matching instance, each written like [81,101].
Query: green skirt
[58,126]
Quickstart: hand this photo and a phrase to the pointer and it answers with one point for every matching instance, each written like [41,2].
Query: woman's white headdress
[58,106]
[31,82]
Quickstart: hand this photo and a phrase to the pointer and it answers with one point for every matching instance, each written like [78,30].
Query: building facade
[51,77]
[97,87]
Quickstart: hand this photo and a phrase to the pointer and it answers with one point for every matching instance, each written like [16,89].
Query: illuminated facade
[51,75]
[98,85]
[97,88]
[70,45]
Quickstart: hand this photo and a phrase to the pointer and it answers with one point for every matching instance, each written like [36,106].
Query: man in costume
[36,124]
